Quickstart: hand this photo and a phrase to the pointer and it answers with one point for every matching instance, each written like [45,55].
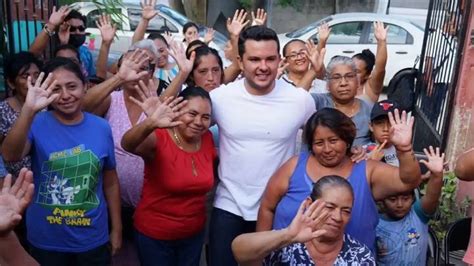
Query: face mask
[77,40]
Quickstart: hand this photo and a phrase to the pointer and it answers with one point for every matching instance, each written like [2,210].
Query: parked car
[353,32]
[131,12]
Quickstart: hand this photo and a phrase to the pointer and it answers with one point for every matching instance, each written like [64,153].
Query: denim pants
[181,252]
[224,227]
[98,256]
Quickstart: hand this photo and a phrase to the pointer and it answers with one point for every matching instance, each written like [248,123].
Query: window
[93,16]
[157,23]
[395,35]
[346,33]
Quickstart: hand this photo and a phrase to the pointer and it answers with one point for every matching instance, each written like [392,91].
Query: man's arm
[55,19]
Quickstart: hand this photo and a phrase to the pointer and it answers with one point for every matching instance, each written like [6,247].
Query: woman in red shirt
[179,153]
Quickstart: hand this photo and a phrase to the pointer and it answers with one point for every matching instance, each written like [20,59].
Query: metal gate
[21,21]
[441,57]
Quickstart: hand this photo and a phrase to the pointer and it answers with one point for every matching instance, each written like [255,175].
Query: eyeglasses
[347,77]
[297,55]
[74,28]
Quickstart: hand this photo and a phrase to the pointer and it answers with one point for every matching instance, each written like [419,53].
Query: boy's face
[380,128]
[397,207]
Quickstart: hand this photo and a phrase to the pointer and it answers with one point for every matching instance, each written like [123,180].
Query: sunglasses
[74,28]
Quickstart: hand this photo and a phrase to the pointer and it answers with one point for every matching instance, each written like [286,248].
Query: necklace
[352,109]
[180,145]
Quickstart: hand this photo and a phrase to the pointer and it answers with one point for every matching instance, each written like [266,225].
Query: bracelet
[48,31]
[407,150]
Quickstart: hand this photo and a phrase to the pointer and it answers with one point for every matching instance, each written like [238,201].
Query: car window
[156,24]
[299,32]
[346,33]
[93,16]
[395,35]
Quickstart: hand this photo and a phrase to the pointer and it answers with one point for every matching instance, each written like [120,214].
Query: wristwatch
[48,30]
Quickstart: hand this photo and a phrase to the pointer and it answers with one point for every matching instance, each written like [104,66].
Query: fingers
[38,80]
[135,101]
[7,183]
[19,182]
[381,146]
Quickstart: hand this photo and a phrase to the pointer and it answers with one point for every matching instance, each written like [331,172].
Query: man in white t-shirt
[258,118]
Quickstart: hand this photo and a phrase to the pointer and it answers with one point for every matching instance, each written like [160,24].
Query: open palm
[308,221]
[435,163]
[401,128]
[40,94]
[131,65]
[380,32]
[148,9]
[237,23]
[178,52]
[107,29]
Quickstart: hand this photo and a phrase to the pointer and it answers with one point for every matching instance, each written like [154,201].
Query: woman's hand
[14,199]
[63,33]
[315,57]
[282,66]
[323,32]
[178,52]
[209,36]
[237,23]
[130,68]
[358,154]
[160,114]
[380,32]
[261,17]
[148,9]
[107,29]
[401,130]
[115,241]
[40,94]
[308,221]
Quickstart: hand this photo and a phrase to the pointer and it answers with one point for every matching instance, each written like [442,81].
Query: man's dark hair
[257,33]
[76,14]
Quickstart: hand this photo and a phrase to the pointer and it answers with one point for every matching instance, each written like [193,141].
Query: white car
[131,12]
[353,32]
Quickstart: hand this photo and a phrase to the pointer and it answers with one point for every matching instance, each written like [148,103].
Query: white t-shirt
[257,135]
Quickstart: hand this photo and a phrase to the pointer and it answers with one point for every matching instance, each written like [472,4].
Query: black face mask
[77,40]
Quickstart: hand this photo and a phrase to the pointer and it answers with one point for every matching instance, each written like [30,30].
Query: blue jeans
[224,227]
[181,252]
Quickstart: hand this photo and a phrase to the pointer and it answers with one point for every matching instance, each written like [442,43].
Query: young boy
[379,126]
[402,232]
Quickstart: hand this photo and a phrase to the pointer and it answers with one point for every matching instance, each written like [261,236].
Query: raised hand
[282,68]
[323,32]
[209,36]
[107,29]
[14,199]
[308,221]
[165,113]
[148,96]
[148,9]
[237,23]
[314,56]
[57,16]
[380,32]
[401,130]
[131,64]
[63,33]
[435,163]
[178,52]
[40,94]
[261,17]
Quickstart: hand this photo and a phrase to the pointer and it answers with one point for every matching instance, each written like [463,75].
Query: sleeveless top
[130,167]
[364,216]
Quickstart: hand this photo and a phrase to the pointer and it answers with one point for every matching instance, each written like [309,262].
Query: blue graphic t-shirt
[68,212]
[87,61]
[403,242]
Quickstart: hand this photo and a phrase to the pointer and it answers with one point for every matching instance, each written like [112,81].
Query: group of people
[136,152]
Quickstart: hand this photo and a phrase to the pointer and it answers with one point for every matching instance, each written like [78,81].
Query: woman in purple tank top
[329,134]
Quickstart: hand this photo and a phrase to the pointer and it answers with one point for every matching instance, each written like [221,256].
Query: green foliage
[449,210]
[112,8]
[296,4]
[246,4]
